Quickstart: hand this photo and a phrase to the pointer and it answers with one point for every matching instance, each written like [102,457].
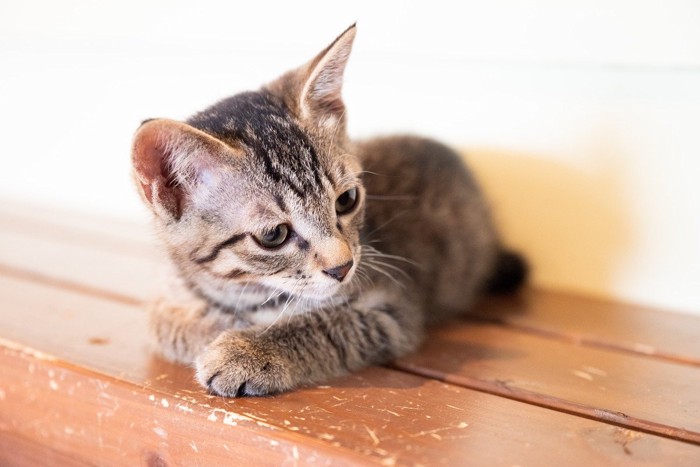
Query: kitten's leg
[183,330]
[309,348]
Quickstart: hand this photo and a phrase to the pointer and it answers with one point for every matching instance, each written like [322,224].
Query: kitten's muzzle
[339,272]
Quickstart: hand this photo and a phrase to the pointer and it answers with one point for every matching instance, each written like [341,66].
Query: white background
[581,118]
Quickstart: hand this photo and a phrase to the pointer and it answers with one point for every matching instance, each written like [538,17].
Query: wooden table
[540,379]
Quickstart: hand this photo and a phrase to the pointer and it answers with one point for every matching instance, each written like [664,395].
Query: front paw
[238,364]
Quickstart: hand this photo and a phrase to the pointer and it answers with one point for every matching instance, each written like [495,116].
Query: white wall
[582,118]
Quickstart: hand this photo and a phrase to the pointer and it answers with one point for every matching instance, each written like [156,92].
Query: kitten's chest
[268,317]
[283,309]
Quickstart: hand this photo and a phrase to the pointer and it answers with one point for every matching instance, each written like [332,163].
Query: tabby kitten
[298,255]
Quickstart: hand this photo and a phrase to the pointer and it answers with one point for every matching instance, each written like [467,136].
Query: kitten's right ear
[321,95]
[167,158]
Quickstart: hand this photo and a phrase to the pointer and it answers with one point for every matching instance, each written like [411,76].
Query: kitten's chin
[320,294]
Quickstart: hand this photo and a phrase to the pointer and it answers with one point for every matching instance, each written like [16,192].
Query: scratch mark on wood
[230,420]
[373,435]
[625,437]
[434,433]
[184,408]
[253,417]
[582,375]
[595,371]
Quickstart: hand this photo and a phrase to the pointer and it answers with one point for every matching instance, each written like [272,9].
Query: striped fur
[379,238]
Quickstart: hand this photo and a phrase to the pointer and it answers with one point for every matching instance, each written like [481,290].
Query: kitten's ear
[168,157]
[321,92]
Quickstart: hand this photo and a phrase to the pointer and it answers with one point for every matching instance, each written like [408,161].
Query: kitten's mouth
[324,292]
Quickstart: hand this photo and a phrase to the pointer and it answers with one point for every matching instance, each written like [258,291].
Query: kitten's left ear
[321,93]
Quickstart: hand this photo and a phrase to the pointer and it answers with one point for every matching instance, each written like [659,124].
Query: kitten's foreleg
[310,348]
[183,330]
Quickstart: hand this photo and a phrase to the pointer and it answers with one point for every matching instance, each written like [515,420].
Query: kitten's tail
[509,273]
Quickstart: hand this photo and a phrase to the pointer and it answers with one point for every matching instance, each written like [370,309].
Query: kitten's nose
[339,272]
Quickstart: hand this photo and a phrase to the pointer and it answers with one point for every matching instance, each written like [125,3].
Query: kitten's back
[424,205]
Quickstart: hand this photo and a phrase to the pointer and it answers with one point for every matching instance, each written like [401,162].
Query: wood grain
[630,390]
[113,264]
[375,417]
[598,323]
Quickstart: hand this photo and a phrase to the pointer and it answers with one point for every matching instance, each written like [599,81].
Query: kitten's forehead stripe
[217,249]
[280,203]
[265,126]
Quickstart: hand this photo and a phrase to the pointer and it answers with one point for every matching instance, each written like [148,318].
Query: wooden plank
[83,384]
[352,423]
[584,402]
[121,260]
[15,450]
[630,390]
[107,421]
[64,224]
[598,323]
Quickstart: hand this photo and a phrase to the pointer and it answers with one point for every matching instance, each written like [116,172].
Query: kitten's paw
[238,364]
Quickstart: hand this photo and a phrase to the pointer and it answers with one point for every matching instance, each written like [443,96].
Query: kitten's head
[259,189]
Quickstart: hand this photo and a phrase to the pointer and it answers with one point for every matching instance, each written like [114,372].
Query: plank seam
[503,388]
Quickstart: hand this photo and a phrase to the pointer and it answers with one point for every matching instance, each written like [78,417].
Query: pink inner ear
[150,161]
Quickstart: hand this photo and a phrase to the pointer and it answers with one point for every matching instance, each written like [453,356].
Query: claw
[241,390]
[211,380]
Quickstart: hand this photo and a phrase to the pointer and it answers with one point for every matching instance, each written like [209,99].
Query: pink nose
[339,272]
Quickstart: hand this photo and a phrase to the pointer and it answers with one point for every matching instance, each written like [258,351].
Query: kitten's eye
[274,237]
[346,201]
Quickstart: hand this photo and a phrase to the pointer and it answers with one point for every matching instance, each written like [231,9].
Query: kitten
[297,254]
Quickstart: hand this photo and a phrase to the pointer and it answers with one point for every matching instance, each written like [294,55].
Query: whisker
[363,280]
[391,219]
[385,273]
[391,197]
[373,252]
[291,296]
[273,295]
[391,266]
[241,294]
